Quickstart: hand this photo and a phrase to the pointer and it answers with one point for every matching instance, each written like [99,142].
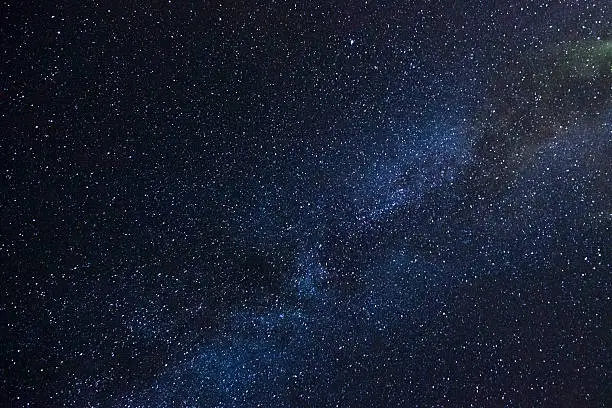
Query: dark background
[305,203]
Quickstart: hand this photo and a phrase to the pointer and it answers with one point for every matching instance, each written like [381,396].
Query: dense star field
[306,204]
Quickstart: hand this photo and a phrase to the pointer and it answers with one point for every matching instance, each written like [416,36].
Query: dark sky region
[305,204]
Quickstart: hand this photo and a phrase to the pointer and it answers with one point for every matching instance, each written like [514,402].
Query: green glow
[586,59]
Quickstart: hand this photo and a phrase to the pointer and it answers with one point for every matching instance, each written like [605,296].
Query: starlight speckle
[306,204]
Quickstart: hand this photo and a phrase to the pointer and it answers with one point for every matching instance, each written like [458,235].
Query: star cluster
[306,204]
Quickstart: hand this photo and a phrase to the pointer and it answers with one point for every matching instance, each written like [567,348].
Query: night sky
[306,204]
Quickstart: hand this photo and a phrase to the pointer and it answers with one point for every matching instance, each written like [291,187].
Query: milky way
[306,204]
